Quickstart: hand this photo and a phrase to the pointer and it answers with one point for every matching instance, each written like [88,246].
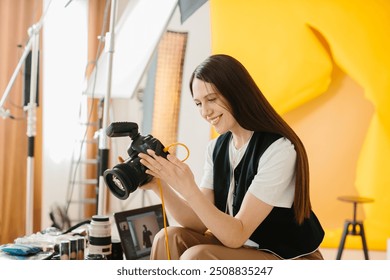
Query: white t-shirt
[274,182]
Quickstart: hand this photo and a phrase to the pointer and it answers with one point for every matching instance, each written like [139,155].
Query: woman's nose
[205,111]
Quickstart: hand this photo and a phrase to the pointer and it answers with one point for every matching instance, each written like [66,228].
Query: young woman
[253,201]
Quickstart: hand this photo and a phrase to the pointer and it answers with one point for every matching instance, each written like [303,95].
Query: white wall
[64,61]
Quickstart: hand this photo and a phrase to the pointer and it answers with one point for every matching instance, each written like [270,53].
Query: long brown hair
[253,112]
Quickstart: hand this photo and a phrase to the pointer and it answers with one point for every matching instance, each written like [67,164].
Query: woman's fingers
[152,162]
[175,160]
[173,171]
[167,168]
[146,160]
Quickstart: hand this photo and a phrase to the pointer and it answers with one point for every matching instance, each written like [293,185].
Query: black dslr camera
[124,178]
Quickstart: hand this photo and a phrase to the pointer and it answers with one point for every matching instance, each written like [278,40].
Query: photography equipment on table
[64,250]
[80,247]
[130,225]
[124,178]
[73,248]
[117,251]
[99,236]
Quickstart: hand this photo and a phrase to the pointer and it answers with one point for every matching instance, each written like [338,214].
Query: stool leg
[342,241]
[365,248]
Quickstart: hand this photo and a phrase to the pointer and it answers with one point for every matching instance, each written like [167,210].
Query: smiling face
[213,107]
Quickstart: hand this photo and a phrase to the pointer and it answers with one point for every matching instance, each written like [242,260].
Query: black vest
[279,232]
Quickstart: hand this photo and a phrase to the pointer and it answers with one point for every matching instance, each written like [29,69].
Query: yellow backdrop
[292,47]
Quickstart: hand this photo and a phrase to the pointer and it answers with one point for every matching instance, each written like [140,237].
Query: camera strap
[165,220]
[166,149]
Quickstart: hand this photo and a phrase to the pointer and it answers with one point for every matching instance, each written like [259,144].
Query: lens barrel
[99,236]
[125,178]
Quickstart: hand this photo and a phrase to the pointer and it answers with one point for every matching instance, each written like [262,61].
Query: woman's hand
[171,170]
[151,185]
[178,186]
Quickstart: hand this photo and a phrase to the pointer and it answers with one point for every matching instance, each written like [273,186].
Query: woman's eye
[199,104]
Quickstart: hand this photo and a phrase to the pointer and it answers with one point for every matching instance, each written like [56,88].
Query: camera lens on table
[99,236]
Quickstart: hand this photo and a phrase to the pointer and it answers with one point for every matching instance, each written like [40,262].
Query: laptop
[137,228]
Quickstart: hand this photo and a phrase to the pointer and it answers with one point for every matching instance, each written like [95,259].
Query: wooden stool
[350,227]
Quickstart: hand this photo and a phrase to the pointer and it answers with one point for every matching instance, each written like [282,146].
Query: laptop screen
[137,228]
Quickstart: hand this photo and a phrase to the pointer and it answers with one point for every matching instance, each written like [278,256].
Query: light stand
[31,128]
[33,46]
[103,138]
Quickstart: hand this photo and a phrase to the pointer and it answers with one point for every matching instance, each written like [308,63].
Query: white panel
[65,42]
[137,34]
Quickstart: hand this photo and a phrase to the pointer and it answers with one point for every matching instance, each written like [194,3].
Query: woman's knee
[198,252]
[171,231]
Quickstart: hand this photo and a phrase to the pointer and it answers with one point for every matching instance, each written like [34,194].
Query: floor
[349,254]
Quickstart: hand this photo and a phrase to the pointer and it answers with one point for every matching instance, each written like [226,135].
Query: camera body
[124,178]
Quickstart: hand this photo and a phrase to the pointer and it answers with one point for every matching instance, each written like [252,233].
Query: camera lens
[99,236]
[125,178]
[118,183]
